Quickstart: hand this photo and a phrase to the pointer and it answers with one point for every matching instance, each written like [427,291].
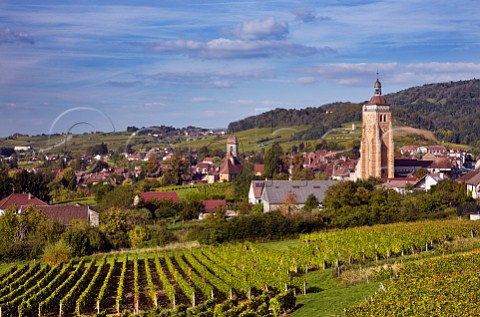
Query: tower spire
[378,87]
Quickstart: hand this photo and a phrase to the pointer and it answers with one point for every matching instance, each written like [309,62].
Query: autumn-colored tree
[289,204]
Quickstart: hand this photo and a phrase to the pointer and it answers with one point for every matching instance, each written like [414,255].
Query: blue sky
[104,65]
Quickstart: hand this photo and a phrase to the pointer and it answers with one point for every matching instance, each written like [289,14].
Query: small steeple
[378,87]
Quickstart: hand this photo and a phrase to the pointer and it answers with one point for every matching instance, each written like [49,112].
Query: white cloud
[394,73]
[201,99]
[231,49]
[8,36]
[268,29]
[216,79]
[306,80]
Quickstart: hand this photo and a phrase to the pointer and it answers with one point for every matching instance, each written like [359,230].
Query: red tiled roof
[20,200]
[211,204]
[378,100]
[441,163]
[148,197]
[66,213]
[472,178]
[229,167]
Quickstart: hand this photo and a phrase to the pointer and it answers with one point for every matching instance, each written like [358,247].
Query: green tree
[69,179]
[138,235]
[120,197]
[83,239]
[191,210]
[311,203]
[115,224]
[273,161]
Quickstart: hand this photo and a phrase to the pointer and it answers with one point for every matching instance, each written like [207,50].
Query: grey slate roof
[275,192]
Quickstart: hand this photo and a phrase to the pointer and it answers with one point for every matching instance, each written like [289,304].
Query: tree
[311,203]
[289,205]
[69,179]
[138,235]
[115,224]
[120,197]
[83,239]
[57,252]
[242,182]
[191,210]
[273,161]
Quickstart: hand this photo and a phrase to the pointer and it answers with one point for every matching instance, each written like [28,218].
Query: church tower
[376,149]
[232,145]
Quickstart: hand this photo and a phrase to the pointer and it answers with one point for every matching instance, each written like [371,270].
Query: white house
[472,183]
[429,180]
[274,193]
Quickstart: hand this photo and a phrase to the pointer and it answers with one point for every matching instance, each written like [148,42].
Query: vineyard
[442,287]
[246,278]
[238,278]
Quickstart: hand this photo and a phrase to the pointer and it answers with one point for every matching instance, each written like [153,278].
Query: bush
[57,252]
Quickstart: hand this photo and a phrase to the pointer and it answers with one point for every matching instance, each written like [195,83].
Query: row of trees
[349,204]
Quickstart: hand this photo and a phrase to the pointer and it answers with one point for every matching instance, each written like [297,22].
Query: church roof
[230,165]
[378,100]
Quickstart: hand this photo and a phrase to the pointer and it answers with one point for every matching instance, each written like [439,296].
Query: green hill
[449,110]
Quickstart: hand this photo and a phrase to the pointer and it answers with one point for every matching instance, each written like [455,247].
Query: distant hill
[450,110]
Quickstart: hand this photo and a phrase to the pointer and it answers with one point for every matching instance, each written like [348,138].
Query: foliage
[83,239]
[273,161]
[119,197]
[349,204]
[24,235]
[115,223]
[271,225]
[311,203]
[138,235]
[58,252]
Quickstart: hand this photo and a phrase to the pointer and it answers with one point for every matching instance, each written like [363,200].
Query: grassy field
[256,139]
[326,296]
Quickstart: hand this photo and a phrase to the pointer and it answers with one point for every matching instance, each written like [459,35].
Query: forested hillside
[450,110]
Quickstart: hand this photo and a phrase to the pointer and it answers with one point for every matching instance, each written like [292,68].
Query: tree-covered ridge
[450,110]
[322,119]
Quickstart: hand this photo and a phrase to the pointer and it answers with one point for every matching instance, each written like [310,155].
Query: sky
[75,66]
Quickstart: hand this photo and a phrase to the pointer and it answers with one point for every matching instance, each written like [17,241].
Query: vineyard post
[118,308]
[60,312]
[136,306]
[306,268]
[212,294]
[0,311]
[174,304]
[249,293]
[155,300]
[304,287]
[98,307]
[426,246]
[231,293]
[39,311]
[286,287]
[193,299]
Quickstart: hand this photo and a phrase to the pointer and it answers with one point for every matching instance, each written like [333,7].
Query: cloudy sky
[104,65]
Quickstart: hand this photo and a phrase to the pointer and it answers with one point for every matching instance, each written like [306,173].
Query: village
[296,174]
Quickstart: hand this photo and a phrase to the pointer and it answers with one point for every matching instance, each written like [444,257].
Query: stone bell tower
[376,149]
